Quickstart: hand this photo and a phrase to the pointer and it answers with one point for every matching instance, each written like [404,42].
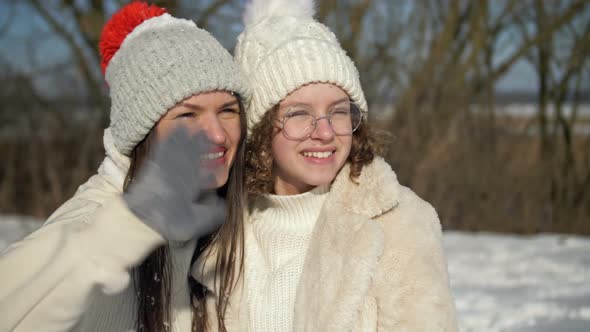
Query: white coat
[375,263]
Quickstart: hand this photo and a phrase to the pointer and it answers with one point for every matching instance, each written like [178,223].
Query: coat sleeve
[413,291]
[49,277]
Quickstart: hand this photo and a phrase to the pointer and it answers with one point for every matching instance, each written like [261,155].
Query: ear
[276,122]
[275,118]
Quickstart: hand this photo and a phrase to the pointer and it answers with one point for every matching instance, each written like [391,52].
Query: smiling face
[301,165]
[215,114]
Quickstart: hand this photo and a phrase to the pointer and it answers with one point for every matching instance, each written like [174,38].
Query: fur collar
[375,192]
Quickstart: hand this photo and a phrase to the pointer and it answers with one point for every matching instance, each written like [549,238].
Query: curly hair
[366,144]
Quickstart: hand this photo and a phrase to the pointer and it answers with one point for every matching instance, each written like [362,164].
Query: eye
[230,110]
[229,113]
[341,109]
[186,115]
[293,114]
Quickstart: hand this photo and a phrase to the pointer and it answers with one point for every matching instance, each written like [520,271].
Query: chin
[219,180]
[327,176]
[320,181]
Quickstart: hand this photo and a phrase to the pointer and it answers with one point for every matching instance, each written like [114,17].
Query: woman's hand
[170,193]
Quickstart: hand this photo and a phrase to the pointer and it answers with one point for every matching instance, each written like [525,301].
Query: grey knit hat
[153,61]
[283,48]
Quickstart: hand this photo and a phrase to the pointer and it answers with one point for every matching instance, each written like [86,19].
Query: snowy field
[514,283]
[501,283]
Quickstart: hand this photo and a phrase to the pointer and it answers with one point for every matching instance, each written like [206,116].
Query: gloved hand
[170,194]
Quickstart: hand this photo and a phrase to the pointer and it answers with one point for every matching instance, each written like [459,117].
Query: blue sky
[28,31]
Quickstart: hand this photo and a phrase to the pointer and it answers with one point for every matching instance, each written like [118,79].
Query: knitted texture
[283,48]
[277,238]
[163,61]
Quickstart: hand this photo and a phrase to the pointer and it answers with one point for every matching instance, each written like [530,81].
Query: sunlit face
[217,115]
[301,165]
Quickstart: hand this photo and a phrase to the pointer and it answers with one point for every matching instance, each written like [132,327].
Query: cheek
[164,128]
[232,132]
[347,145]
[344,151]
[281,150]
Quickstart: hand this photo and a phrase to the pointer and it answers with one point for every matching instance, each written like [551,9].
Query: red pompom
[120,25]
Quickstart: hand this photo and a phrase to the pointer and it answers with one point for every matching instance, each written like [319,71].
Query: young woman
[177,127]
[333,242]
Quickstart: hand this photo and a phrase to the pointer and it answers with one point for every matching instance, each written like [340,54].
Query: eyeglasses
[299,122]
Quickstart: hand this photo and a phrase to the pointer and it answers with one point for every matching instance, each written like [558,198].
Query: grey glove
[169,193]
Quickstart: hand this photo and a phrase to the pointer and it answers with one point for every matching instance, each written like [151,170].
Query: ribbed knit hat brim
[295,64]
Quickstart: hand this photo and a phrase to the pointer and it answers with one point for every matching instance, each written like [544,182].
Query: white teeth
[212,155]
[324,154]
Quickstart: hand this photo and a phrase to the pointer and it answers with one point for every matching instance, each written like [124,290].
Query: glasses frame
[316,119]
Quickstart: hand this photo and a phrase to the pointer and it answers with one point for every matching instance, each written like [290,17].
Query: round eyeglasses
[299,122]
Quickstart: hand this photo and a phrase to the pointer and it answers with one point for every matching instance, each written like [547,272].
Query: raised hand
[170,192]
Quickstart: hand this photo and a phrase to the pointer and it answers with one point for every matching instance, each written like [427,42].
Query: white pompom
[257,10]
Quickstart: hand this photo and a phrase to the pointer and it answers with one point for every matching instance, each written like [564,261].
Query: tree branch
[83,65]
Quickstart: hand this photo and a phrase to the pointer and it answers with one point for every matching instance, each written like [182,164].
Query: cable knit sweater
[277,238]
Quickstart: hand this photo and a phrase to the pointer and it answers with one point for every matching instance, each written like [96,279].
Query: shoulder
[409,223]
[411,227]
[88,198]
[412,212]
[412,278]
[412,241]
[400,207]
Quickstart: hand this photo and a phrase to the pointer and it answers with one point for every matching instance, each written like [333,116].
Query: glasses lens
[345,118]
[298,123]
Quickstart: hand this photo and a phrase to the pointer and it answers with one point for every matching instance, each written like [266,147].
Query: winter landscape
[500,282]
[486,107]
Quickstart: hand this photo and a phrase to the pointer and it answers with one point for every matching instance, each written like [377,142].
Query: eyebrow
[340,101]
[306,104]
[200,108]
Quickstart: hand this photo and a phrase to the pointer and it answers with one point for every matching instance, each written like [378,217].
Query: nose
[212,129]
[323,130]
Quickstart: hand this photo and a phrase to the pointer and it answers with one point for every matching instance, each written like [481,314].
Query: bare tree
[429,70]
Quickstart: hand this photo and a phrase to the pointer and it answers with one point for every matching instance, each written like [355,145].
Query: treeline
[435,63]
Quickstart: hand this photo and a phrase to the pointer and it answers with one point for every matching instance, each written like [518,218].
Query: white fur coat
[375,263]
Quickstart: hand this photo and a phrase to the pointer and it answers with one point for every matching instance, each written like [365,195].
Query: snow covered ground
[500,282]
[515,283]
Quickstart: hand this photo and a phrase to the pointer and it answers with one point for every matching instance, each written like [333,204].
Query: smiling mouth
[213,155]
[319,155]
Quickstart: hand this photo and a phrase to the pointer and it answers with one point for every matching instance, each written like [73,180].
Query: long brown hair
[366,144]
[152,279]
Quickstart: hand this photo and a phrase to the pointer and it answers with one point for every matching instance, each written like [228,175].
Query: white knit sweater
[277,238]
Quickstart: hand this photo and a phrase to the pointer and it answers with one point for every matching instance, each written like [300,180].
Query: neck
[282,187]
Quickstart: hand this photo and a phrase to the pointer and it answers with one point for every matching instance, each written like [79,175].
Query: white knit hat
[153,61]
[283,48]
